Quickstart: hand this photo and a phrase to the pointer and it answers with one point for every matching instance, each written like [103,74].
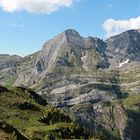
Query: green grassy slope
[24,115]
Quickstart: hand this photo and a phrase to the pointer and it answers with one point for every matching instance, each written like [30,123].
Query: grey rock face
[7,61]
[125,46]
[66,52]
[8,67]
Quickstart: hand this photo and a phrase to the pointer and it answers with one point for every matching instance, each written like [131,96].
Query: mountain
[96,82]
[67,52]
[8,66]
[125,47]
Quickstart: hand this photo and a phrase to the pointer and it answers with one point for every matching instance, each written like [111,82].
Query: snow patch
[117,50]
[125,62]
[83,58]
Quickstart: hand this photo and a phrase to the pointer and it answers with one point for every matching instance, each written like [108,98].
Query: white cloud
[15,25]
[108,7]
[34,6]
[114,27]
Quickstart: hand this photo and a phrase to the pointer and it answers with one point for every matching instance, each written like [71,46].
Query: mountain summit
[125,46]
[71,33]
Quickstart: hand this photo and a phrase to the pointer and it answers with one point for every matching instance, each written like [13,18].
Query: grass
[27,121]
[132,102]
[11,80]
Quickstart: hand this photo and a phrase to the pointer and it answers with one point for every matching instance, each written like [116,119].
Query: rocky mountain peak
[71,32]
[126,33]
[125,46]
[65,37]
[71,35]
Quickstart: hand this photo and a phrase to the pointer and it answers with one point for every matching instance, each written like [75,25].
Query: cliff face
[124,46]
[86,76]
[8,66]
[66,52]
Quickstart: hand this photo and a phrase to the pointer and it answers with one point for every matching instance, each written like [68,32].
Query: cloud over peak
[114,27]
[34,6]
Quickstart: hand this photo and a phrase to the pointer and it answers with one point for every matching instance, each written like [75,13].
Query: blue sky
[25,28]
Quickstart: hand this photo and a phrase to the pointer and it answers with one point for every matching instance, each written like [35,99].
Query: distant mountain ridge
[125,46]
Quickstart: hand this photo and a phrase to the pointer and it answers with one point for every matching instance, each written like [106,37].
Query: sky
[25,25]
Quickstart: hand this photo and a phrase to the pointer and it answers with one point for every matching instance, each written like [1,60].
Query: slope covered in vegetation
[26,115]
